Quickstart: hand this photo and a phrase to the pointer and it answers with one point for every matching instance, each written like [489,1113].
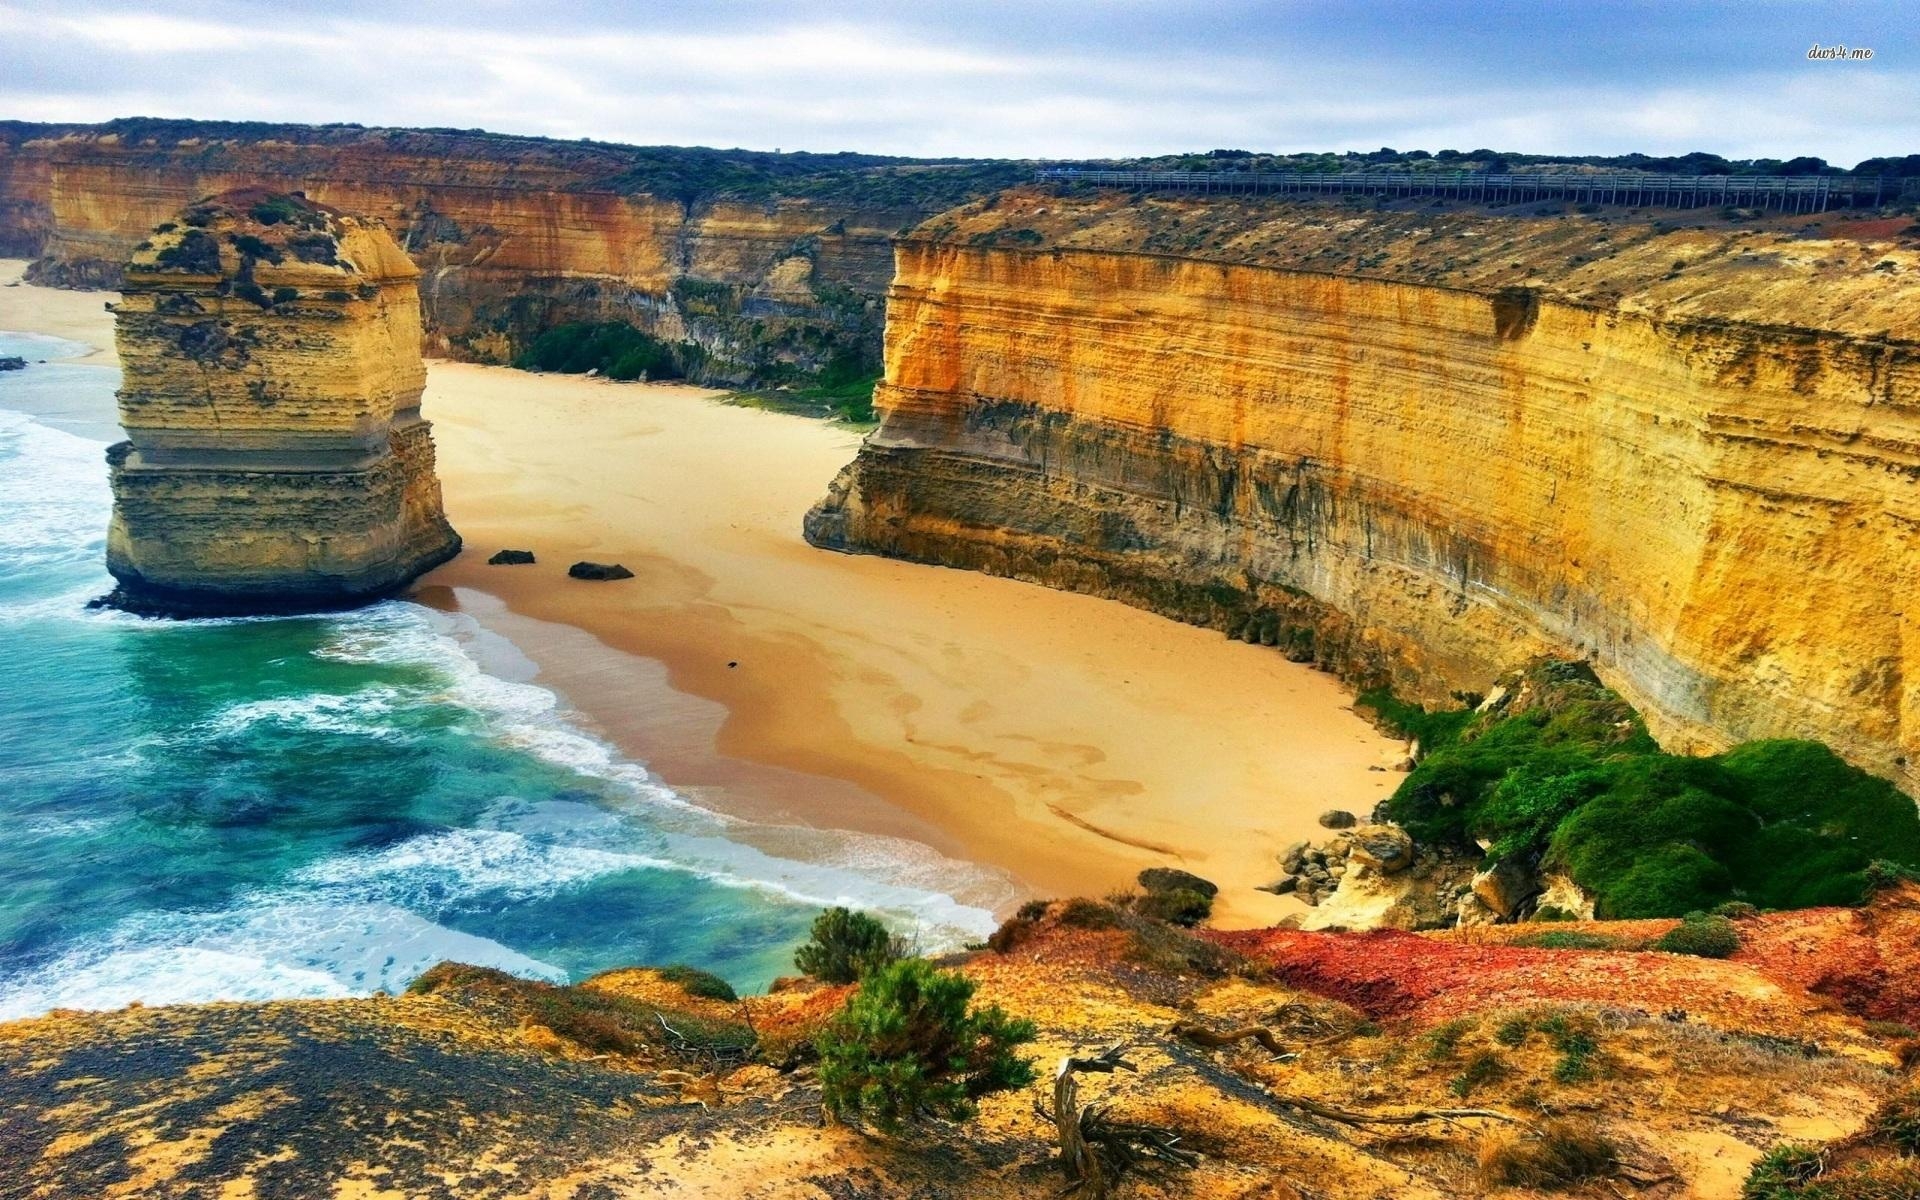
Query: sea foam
[361,920]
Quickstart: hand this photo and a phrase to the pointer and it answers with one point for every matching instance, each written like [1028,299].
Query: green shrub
[275,210]
[1783,1173]
[196,252]
[253,247]
[1512,1031]
[1082,913]
[908,1047]
[1883,873]
[615,349]
[1736,910]
[1568,939]
[1483,1068]
[1570,780]
[1443,1041]
[1574,1039]
[1897,1124]
[1177,906]
[285,295]
[1702,936]
[1431,729]
[845,945]
[845,386]
[695,982]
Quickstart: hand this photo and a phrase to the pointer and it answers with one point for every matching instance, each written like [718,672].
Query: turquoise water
[326,806]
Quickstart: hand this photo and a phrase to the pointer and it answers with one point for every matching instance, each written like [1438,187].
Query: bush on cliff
[846,945]
[1701,935]
[908,1046]
[1566,777]
[614,349]
[845,385]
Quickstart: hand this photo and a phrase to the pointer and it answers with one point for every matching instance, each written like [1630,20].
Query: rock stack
[276,457]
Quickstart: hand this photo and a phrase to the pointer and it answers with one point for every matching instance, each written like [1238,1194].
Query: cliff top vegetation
[1855,273]
[697,173]
[1369,1064]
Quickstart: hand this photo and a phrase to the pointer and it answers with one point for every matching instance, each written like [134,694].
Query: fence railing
[1787,193]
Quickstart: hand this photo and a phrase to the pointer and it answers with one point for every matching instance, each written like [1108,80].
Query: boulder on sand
[511,558]
[1338,818]
[594,570]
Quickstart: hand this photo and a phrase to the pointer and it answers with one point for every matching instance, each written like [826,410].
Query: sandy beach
[1065,740]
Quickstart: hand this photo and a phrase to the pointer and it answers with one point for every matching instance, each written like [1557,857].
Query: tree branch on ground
[1096,1151]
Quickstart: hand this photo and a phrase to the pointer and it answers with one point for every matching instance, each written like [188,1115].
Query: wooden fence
[1786,193]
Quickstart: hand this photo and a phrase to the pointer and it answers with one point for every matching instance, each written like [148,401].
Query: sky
[1003,78]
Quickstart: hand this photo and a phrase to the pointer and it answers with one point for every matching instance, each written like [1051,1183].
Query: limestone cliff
[770,263]
[276,457]
[1419,446]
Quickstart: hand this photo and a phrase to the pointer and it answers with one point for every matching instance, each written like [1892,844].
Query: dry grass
[1550,1156]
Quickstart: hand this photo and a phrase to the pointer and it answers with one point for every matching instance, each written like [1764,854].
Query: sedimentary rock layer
[513,235]
[276,457]
[1709,495]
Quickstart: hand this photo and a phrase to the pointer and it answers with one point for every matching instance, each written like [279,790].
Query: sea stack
[276,459]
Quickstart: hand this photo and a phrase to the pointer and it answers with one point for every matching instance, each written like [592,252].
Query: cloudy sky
[1018,78]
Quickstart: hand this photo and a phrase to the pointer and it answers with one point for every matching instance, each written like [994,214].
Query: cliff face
[1708,488]
[276,457]
[771,275]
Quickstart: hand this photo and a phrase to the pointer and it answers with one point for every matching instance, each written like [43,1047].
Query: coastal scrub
[1561,774]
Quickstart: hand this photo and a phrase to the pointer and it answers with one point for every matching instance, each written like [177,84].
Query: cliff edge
[1418,446]
[276,457]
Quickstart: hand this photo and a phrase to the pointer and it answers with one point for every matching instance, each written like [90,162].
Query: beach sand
[76,316]
[1064,740]
[1068,740]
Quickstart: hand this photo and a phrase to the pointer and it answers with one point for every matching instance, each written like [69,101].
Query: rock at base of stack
[276,458]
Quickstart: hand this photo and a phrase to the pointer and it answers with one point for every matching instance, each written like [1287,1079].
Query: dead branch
[1096,1151]
[1200,1035]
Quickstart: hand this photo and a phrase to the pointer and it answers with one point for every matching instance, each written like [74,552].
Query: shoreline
[1066,740]
[1063,742]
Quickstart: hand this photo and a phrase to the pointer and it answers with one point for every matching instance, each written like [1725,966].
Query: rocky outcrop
[1418,447]
[771,264]
[276,457]
[1375,877]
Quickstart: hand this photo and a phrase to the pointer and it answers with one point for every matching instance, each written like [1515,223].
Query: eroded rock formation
[1419,447]
[276,457]
[772,264]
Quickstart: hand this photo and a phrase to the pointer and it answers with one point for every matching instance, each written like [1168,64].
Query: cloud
[1027,79]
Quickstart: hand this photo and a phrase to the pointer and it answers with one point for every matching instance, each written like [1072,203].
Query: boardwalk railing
[1787,193]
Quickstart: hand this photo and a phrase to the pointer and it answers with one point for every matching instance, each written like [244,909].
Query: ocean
[288,807]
